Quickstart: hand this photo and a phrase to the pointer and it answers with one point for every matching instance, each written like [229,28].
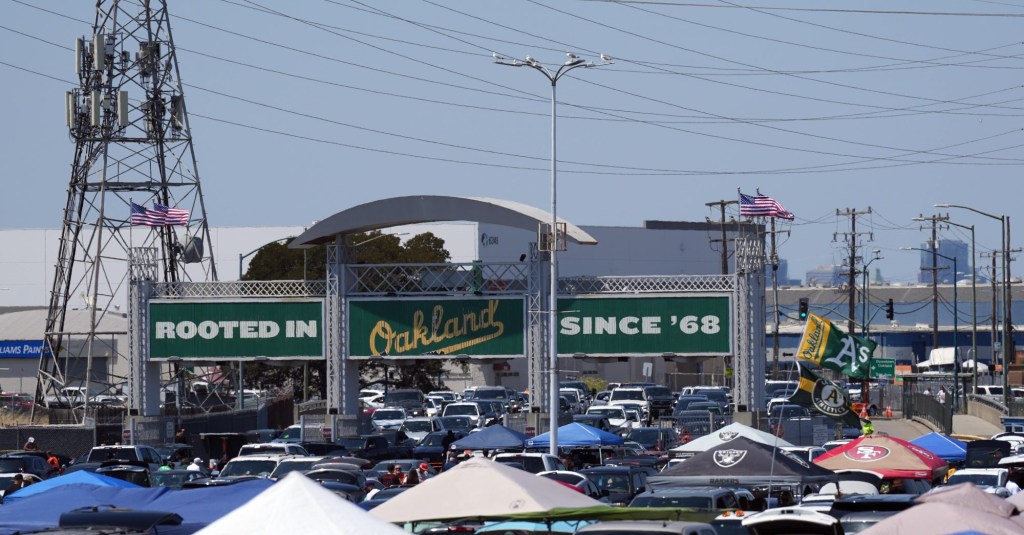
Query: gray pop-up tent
[743,462]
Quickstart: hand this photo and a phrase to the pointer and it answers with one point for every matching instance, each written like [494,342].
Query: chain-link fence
[70,440]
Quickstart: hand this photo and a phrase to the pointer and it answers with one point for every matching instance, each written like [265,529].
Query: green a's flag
[825,345]
[824,396]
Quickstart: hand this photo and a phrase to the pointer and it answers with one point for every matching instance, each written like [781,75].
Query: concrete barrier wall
[985,411]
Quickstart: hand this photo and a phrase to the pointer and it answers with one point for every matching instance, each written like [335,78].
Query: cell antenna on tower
[134,187]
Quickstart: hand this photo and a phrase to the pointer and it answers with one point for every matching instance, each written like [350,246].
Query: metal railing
[938,414]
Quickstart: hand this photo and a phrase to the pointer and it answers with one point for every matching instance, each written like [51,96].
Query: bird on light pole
[573,62]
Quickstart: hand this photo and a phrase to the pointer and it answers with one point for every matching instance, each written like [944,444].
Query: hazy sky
[302,109]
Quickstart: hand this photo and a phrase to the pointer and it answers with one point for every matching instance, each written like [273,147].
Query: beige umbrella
[943,518]
[479,487]
[969,496]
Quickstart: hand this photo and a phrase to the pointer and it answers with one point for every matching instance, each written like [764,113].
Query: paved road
[900,428]
[965,424]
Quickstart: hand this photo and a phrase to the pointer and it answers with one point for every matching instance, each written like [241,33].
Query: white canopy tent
[479,487]
[297,504]
[726,434]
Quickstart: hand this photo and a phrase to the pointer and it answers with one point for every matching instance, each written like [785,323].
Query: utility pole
[724,240]
[852,294]
[933,245]
[851,237]
[774,258]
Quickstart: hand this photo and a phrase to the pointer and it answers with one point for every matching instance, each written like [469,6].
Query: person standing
[941,396]
[196,466]
[17,484]
[30,445]
[423,472]
[181,437]
[390,479]
[54,463]
[446,442]
[412,478]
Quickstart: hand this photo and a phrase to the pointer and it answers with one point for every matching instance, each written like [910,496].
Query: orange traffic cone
[888,411]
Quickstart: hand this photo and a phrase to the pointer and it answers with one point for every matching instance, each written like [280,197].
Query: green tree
[276,261]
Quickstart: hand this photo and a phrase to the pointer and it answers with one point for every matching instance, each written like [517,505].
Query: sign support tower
[133,144]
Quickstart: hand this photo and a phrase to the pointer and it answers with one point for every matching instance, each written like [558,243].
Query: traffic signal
[889,312]
[803,308]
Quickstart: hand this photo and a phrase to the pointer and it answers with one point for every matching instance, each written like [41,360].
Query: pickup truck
[374,448]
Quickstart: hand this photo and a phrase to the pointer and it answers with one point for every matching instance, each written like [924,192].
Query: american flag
[158,216]
[172,216]
[762,206]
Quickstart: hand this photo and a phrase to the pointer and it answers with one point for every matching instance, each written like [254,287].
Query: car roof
[686,491]
[263,457]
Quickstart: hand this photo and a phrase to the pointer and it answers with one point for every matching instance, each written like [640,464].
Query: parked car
[655,438]
[29,464]
[576,480]
[683,403]
[704,498]
[146,454]
[136,472]
[661,400]
[467,408]
[388,418]
[619,483]
[532,462]
[418,427]
[299,464]
[272,449]
[410,399]
[594,420]
[616,415]
[458,423]
[252,465]
[431,448]
[174,479]
[631,395]
[644,527]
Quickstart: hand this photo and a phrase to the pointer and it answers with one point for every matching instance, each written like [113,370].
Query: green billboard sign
[218,330]
[684,325]
[491,327]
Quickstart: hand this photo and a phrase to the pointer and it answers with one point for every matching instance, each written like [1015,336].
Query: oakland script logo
[451,333]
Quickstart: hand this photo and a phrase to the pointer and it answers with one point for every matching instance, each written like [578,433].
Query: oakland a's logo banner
[824,396]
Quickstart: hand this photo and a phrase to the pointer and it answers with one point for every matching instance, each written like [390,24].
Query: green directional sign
[490,327]
[684,325]
[883,368]
[219,330]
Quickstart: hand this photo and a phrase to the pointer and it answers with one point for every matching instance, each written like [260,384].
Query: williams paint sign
[218,330]
[489,327]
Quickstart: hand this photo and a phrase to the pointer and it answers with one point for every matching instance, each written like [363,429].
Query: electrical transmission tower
[133,146]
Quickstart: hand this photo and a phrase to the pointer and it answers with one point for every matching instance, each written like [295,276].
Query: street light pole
[864,322]
[1004,244]
[242,257]
[956,323]
[974,305]
[573,62]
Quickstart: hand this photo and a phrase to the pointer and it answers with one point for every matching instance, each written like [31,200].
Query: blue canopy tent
[81,477]
[575,435]
[945,447]
[197,507]
[495,437]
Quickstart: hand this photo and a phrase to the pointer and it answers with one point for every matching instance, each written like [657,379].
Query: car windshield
[139,477]
[10,466]
[291,433]
[433,439]
[985,480]
[291,466]
[658,391]
[385,414]
[621,394]
[352,443]
[105,454]
[174,480]
[248,467]
[461,410]
[714,395]
[571,394]
[697,502]
[611,482]
[418,426]
[457,422]
[398,397]
[608,412]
